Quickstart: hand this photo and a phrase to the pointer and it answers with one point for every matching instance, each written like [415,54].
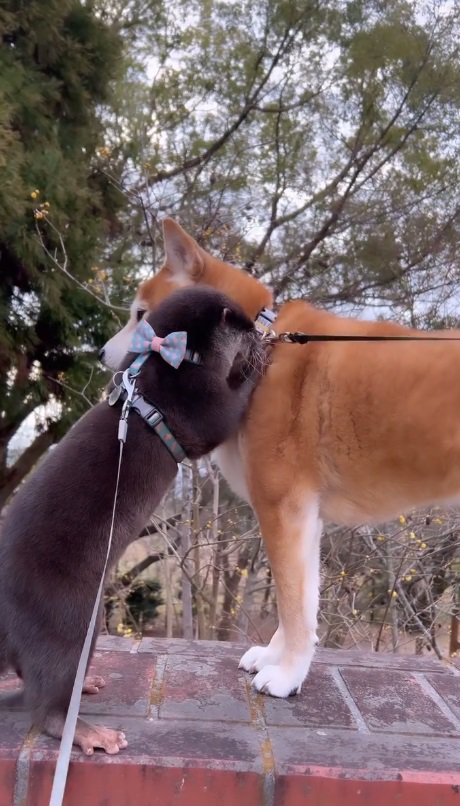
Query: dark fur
[55,533]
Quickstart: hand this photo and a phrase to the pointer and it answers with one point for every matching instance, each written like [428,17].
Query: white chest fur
[229,457]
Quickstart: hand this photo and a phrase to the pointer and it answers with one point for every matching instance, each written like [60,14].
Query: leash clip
[269,336]
[130,386]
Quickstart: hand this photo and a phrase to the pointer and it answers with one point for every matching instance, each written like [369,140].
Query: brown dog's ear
[183,256]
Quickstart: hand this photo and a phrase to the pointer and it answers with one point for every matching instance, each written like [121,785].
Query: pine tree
[58,63]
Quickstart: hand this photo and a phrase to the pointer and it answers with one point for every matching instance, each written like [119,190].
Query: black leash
[305,338]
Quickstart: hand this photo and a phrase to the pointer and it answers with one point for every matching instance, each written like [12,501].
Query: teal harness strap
[155,420]
[192,356]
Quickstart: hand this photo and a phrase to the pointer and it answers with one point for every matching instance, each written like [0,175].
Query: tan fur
[350,432]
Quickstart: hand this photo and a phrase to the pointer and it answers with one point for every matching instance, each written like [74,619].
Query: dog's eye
[139,314]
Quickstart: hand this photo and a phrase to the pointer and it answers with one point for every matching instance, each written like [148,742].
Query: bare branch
[62,266]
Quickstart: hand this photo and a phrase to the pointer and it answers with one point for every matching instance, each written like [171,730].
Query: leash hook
[130,386]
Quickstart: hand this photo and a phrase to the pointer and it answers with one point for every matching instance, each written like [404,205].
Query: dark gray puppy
[55,534]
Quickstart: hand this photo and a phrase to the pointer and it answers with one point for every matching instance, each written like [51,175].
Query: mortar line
[157,687]
[431,692]
[257,713]
[334,671]
[22,768]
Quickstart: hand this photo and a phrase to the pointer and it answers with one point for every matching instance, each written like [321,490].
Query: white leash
[65,749]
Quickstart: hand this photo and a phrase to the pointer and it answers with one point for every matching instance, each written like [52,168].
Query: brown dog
[348,432]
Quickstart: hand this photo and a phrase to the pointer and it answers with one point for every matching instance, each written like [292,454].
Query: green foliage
[58,62]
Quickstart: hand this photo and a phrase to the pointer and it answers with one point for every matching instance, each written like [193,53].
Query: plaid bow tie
[144,341]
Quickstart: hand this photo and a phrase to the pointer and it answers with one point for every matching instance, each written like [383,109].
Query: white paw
[281,680]
[259,656]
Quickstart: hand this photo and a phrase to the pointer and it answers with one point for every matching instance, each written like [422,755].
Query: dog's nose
[101,355]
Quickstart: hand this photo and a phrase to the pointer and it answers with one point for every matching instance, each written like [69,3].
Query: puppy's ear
[236,319]
[238,372]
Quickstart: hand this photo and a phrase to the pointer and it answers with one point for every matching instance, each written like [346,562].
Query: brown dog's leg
[291,531]
[88,737]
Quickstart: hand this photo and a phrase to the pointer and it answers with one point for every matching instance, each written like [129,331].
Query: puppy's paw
[92,684]
[259,656]
[280,680]
[96,737]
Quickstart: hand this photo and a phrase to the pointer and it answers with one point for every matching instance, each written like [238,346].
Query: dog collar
[193,357]
[151,415]
[264,322]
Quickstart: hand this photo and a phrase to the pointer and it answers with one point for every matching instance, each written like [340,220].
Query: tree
[315,143]
[58,62]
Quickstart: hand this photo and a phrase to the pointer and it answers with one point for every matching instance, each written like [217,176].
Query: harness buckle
[154,418]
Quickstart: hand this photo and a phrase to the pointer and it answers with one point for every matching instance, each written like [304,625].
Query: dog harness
[155,420]
[173,349]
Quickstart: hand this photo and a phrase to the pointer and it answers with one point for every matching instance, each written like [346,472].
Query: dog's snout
[102,354]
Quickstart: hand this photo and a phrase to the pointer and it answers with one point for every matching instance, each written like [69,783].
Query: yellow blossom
[35,193]
[402,519]
[103,151]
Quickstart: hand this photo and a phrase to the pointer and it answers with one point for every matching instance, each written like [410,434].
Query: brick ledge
[367,728]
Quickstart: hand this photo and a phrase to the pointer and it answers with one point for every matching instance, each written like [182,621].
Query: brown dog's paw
[96,737]
[92,684]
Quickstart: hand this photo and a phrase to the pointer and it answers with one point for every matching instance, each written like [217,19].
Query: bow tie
[172,348]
